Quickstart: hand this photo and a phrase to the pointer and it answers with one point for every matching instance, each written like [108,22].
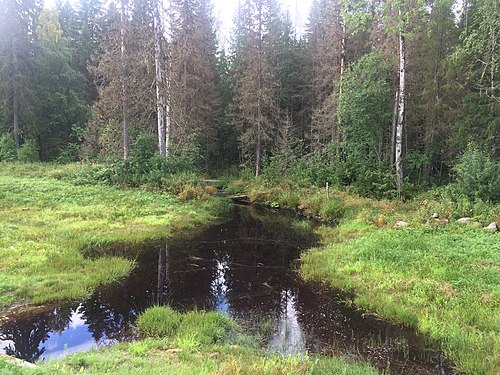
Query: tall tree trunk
[125,114]
[401,113]
[343,55]
[392,144]
[168,110]
[259,97]
[15,110]
[160,103]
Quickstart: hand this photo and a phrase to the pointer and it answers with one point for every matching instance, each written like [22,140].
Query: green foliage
[365,109]
[70,154]
[477,176]
[144,146]
[28,152]
[159,321]
[207,327]
[7,148]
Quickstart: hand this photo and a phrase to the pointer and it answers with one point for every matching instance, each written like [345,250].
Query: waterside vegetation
[394,258]
[197,342]
[48,222]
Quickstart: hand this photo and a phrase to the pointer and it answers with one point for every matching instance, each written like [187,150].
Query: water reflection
[242,268]
[219,287]
[289,336]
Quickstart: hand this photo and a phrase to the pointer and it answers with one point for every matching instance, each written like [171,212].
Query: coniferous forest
[382,95]
[261,198]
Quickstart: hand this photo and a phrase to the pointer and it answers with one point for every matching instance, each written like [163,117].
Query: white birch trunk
[160,103]
[126,139]
[168,116]
[401,113]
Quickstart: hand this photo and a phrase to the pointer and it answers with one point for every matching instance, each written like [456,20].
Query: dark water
[243,267]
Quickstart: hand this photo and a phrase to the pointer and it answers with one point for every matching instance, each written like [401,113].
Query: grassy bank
[441,278]
[192,343]
[48,219]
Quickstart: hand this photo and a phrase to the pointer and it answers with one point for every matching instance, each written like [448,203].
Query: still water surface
[243,267]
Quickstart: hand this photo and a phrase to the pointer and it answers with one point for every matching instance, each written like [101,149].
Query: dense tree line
[378,94]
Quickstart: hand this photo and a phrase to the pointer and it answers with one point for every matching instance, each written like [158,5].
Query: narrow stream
[243,267]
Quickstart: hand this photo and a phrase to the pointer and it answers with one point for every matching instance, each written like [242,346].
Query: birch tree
[160,102]
[401,17]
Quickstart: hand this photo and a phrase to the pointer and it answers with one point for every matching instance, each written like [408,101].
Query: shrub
[28,152]
[477,176]
[159,321]
[69,154]
[7,148]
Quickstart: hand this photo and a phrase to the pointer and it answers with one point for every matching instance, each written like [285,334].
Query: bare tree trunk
[401,112]
[168,130]
[392,151]
[15,110]
[160,103]
[343,54]
[126,138]
[259,104]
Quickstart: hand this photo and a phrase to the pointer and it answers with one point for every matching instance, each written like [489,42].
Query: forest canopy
[381,95]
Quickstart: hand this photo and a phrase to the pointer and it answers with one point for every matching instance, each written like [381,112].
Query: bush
[28,152]
[7,148]
[69,154]
[477,176]
[159,321]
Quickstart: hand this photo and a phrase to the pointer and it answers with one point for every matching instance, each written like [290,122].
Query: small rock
[464,220]
[400,224]
[435,215]
[493,227]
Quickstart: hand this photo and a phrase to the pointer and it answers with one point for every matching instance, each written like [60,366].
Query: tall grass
[46,224]
[200,344]
[444,281]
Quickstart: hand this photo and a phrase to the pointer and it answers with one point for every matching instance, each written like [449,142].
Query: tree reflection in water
[241,267]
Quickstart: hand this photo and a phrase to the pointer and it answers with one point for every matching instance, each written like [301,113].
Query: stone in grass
[464,220]
[493,227]
[401,224]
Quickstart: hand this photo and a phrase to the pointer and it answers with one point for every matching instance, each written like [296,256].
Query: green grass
[444,281]
[46,224]
[215,354]
[159,321]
